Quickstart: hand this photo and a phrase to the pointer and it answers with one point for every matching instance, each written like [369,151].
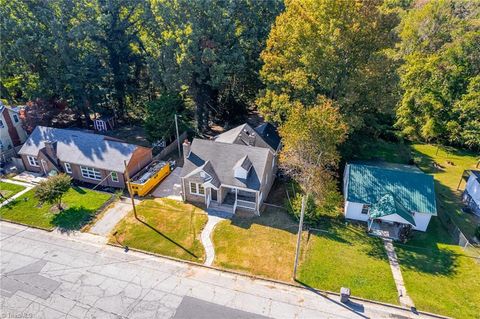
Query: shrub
[477,232]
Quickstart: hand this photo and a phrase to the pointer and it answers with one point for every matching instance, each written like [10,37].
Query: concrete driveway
[170,187]
[112,216]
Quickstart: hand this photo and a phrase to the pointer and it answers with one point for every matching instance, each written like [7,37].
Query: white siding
[394,218]
[354,211]
[239,172]
[473,188]
[422,221]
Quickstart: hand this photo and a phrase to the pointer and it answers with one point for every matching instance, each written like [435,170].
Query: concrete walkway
[405,300]
[214,217]
[112,216]
[26,185]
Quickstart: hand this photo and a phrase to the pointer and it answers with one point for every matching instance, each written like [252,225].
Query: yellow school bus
[149,177]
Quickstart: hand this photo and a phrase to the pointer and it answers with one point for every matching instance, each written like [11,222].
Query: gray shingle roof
[269,134]
[223,157]
[81,148]
[264,135]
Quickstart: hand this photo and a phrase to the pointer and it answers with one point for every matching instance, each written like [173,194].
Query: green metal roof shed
[367,183]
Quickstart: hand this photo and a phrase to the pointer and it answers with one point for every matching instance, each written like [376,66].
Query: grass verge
[81,205]
[167,227]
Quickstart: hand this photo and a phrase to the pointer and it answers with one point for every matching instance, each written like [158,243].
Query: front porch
[232,199]
[388,229]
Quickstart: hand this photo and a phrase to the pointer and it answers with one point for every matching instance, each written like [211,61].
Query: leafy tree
[310,139]
[117,28]
[333,49]
[41,112]
[440,42]
[159,120]
[465,127]
[53,189]
[209,50]
[48,53]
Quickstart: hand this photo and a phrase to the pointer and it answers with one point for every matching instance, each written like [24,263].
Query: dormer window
[242,167]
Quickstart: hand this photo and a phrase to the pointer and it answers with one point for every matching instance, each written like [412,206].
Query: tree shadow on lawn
[439,261]
[72,218]
[271,217]
[167,238]
[422,255]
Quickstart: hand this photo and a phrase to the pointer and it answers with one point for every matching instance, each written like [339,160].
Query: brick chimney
[50,149]
[186,148]
[251,139]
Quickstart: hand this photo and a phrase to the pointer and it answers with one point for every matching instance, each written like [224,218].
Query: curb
[323,293]
[30,226]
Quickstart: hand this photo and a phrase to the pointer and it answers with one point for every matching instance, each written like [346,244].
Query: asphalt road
[50,275]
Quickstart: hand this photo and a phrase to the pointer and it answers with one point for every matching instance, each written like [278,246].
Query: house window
[193,188]
[68,168]
[197,189]
[91,173]
[365,209]
[33,161]
[15,118]
[114,176]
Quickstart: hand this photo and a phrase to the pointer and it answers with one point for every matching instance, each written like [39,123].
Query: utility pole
[300,228]
[130,190]
[178,138]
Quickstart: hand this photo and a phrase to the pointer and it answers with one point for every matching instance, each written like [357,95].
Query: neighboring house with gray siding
[87,157]
[234,171]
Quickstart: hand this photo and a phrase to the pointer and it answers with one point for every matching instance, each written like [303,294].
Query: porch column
[257,204]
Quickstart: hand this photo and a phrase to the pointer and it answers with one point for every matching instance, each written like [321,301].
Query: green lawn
[8,190]
[168,228]
[439,276]
[346,256]
[263,245]
[377,149]
[81,205]
[447,174]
